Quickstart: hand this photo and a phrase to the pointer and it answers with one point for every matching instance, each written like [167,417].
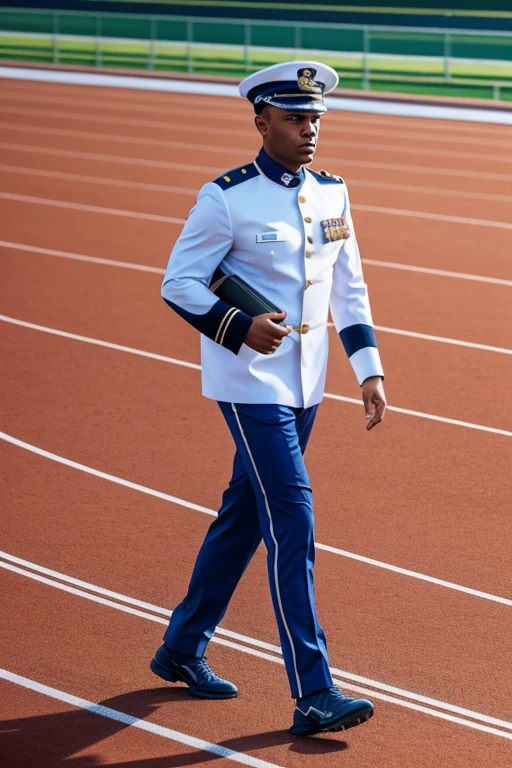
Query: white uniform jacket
[285,234]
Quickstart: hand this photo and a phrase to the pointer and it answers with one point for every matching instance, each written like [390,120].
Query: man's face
[289,137]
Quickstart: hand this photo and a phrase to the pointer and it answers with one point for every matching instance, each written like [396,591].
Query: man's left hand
[374,401]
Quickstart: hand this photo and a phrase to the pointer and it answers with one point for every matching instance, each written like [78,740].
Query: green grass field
[405,75]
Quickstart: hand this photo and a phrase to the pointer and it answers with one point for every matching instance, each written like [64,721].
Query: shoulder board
[325,177]
[237,176]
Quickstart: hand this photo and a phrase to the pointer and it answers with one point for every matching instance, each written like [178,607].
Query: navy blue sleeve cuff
[356,337]
[223,323]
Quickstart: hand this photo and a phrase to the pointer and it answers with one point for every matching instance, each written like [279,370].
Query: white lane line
[100,343]
[234,636]
[131,184]
[423,170]
[143,725]
[225,130]
[89,208]
[136,161]
[235,152]
[428,416]
[378,690]
[209,91]
[212,170]
[437,272]
[171,220]
[123,183]
[196,507]
[124,139]
[444,340]
[160,105]
[130,600]
[157,270]
[142,268]
[438,191]
[174,361]
[440,339]
[81,257]
[432,216]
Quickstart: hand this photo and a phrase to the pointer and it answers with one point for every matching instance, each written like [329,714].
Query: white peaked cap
[293,85]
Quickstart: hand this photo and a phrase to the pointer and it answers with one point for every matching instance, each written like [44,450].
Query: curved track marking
[175,361]
[198,508]
[378,690]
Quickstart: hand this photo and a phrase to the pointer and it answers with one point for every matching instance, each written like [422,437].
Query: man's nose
[310,129]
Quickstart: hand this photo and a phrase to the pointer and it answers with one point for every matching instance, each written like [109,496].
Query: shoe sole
[357,718]
[174,677]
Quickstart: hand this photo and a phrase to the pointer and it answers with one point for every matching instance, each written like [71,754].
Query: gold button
[302,199]
[308,283]
[226,178]
[304,328]
[244,170]
[308,219]
[308,254]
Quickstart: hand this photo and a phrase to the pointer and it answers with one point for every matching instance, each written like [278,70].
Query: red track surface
[423,495]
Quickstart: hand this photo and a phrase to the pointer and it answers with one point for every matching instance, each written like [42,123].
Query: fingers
[378,413]
[276,317]
[279,331]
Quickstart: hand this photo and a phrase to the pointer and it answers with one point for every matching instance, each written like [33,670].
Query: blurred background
[400,47]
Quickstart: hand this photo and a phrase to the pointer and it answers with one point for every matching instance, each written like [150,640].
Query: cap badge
[336,229]
[306,81]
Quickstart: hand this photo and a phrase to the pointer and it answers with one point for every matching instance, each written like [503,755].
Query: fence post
[98,57]
[247,45]
[55,38]
[297,42]
[152,37]
[366,50]
[190,39]
[447,54]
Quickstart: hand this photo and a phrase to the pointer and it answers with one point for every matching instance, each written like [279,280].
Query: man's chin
[306,157]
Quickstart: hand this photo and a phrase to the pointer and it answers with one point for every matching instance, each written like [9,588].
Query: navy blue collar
[278,173]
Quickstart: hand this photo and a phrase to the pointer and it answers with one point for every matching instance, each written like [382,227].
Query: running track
[413,520]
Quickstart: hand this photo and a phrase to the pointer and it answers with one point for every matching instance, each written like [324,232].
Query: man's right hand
[266,336]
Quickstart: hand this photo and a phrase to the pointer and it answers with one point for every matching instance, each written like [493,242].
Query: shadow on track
[52,740]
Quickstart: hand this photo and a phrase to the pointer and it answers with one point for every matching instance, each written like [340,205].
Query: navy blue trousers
[268,497]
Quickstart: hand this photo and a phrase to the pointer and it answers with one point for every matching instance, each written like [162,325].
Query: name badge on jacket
[271,237]
[336,229]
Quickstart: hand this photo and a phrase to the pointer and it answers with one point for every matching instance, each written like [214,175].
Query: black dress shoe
[202,682]
[329,710]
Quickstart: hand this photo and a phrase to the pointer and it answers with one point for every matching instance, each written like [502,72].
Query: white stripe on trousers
[276,578]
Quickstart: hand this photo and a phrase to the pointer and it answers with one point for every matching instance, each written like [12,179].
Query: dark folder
[237,292]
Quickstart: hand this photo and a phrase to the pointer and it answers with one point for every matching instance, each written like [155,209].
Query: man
[287,232]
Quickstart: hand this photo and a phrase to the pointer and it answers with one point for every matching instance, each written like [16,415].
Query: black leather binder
[237,292]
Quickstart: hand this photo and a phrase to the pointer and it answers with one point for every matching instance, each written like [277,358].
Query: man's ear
[261,123]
